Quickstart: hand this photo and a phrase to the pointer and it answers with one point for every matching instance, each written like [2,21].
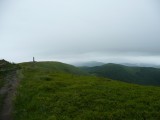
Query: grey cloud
[66,30]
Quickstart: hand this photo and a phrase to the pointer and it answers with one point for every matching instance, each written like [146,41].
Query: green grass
[49,95]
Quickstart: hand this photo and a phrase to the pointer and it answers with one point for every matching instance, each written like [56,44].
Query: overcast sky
[80,30]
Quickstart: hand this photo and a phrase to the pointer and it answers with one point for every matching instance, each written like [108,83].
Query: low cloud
[104,30]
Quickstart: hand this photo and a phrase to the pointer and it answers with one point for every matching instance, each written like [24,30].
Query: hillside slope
[138,75]
[50,66]
[5,68]
[44,95]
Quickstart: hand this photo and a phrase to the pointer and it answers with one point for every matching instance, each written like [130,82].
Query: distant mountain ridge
[137,75]
[89,63]
[97,63]
[141,65]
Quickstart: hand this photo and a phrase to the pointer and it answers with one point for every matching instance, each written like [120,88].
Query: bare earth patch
[8,91]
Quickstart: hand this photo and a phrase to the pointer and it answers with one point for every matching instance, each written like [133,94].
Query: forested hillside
[137,75]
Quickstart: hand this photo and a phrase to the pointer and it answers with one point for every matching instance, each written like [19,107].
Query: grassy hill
[5,68]
[53,67]
[50,92]
[138,75]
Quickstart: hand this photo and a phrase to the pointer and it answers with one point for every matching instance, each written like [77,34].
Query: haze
[80,30]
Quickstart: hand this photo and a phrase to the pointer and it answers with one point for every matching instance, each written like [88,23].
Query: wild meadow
[61,94]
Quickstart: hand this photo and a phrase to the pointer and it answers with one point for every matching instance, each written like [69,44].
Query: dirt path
[8,91]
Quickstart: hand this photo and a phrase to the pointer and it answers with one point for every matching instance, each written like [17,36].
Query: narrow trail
[8,91]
